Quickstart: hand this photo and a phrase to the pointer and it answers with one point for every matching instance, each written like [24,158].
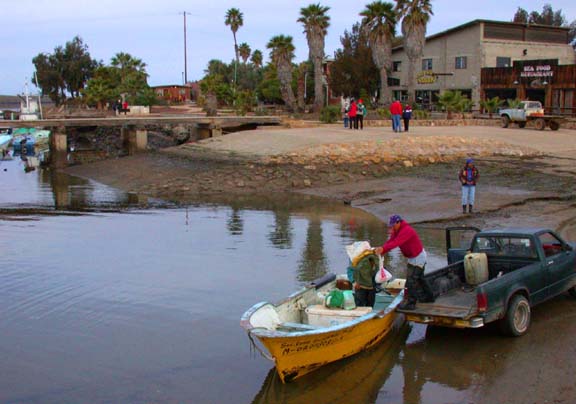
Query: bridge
[133,129]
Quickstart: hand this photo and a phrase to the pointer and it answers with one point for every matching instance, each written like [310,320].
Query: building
[485,58]
[173,93]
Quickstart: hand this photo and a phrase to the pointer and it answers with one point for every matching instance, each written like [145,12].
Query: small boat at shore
[301,334]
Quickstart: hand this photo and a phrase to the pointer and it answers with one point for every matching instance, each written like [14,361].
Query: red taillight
[482,301]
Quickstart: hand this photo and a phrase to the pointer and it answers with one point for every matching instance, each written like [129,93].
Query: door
[558,263]
[536,94]
[459,241]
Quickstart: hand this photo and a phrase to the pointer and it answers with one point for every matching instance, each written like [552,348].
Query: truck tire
[505,121]
[572,291]
[540,124]
[553,125]
[521,125]
[517,319]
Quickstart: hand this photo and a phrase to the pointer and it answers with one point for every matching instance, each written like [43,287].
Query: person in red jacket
[352,114]
[396,112]
[406,238]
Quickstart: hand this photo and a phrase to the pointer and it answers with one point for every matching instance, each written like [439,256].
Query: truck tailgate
[457,303]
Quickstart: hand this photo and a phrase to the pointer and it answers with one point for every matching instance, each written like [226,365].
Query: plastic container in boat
[349,303]
[321,316]
[476,268]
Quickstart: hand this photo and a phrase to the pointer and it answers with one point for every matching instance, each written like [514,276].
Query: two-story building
[465,58]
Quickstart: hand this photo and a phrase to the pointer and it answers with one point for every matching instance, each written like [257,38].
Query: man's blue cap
[394,219]
[469,161]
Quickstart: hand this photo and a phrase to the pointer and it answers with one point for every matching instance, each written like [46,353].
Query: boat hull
[302,353]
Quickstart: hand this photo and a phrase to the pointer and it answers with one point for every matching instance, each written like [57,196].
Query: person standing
[352,114]
[468,177]
[345,103]
[362,111]
[406,238]
[364,290]
[396,112]
[406,116]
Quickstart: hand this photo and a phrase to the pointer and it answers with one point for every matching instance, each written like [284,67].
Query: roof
[515,231]
[480,21]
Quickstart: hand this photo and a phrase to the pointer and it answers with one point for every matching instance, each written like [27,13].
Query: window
[461,62]
[392,82]
[550,244]
[503,61]
[426,64]
[396,66]
[520,247]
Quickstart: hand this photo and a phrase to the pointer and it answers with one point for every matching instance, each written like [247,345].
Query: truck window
[550,243]
[520,247]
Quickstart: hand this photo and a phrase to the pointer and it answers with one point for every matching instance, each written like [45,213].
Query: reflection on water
[126,305]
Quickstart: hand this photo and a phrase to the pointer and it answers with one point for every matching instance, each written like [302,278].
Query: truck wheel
[572,291]
[521,125]
[517,319]
[554,125]
[540,124]
[504,121]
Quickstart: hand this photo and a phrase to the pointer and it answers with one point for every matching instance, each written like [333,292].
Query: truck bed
[457,303]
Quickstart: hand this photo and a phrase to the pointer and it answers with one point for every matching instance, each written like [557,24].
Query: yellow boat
[301,335]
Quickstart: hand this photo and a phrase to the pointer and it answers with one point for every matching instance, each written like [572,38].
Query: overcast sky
[153,30]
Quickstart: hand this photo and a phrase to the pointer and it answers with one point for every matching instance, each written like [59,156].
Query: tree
[257,58]
[491,105]
[547,17]
[281,54]
[65,72]
[415,15]
[244,51]
[353,68]
[316,24]
[235,20]
[379,20]
[450,101]
[126,76]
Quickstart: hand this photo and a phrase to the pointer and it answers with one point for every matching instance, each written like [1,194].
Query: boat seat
[289,326]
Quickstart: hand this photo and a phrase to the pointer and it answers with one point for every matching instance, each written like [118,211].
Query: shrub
[383,113]
[330,114]
[421,114]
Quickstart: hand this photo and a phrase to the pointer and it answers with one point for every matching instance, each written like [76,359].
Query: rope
[254,347]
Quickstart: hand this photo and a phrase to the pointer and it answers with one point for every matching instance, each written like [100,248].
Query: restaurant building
[484,59]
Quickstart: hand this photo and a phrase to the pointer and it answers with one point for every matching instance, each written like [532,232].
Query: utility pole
[185,56]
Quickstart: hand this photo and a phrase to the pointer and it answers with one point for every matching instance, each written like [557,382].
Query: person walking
[362,111]
[406,238]
[352,114]
[396,112]
[468,177]
[406,116]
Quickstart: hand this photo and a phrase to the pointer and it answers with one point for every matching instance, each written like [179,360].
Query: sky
[153,30]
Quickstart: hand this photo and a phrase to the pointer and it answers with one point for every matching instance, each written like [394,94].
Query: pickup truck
[525,267]
[529,111]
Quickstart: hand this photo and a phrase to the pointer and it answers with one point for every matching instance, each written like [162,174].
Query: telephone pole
[184,13]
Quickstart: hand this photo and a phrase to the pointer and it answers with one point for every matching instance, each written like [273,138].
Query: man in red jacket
[406,238]
[396,112]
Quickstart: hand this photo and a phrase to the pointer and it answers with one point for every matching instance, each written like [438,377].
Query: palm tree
[126,62]
[316,24]
[235,20]
[450,101]
[256,58]
[281,54]
[244,51]
[380,24]
[415,15]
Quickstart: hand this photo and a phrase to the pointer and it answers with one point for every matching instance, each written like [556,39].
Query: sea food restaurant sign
[535,69]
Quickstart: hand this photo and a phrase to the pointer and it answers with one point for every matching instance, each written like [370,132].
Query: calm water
[107,297]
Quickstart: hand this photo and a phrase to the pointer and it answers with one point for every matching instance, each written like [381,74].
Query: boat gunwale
[264,332]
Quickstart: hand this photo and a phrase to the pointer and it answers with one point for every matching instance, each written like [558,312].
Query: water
[109,297]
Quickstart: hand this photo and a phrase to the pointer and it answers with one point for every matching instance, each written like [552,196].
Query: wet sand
[512,191]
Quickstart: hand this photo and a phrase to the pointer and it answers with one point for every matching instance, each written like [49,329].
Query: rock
[294,183]
[307,182]
[408,163]
[240,184]
[310,167]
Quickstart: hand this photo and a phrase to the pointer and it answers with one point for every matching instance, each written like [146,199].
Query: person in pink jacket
[406,238]
[352,114]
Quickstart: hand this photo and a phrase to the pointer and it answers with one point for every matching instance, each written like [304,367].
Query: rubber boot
[463,208]
[469,208]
